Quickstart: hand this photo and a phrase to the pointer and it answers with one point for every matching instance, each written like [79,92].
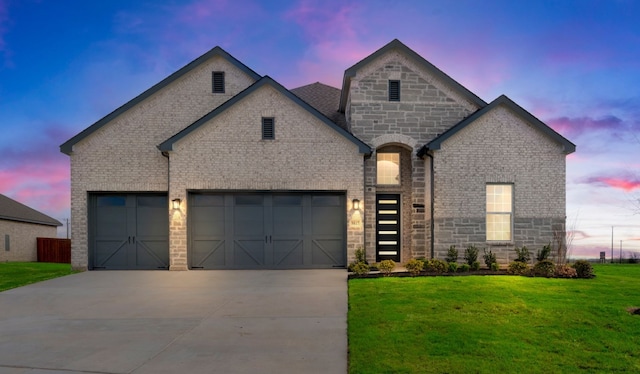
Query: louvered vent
[218,82]
[394,90]
[268,130]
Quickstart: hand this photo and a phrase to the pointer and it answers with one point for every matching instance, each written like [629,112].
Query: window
[268,130]
[394,90]
[388,168]
[218,81]
[499,212]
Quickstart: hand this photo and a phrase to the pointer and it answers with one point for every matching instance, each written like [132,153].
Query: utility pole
[67,219]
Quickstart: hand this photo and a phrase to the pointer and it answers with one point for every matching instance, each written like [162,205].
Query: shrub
[471,255]
[518,268]
[465,268]
[583,269]
[544,253]
[453,267]
[489,258]
[386,266]
[544,268]
[359,268]
[437,266]
[565,271]
[452,254]
[361,255]
[522,254]
[495,266]
[475,266]
[414,266]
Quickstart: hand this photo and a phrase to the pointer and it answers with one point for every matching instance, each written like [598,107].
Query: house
[19,228]
[218,167]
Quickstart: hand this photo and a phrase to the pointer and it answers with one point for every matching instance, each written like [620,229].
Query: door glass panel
[112,200]
[325,200]
[208,200]
[287,200]
[249,200]
[152,201]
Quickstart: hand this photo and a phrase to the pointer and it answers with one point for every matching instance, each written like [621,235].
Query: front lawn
[496,324]
[17,274]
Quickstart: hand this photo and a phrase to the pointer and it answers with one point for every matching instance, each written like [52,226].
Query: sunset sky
[64,64]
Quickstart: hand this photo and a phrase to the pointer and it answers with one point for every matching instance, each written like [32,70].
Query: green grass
[496,324]
[17,274]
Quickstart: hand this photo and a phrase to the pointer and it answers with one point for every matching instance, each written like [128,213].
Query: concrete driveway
[145,322]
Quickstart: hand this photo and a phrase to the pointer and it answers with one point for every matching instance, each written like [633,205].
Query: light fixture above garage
[176,203]
[356,204]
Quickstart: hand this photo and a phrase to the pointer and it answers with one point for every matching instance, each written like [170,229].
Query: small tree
[522,254]
[544,253]
[471,255]
[452,254]
[489,258]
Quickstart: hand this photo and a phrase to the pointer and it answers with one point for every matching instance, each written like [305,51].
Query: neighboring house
[19,228]
[218,167]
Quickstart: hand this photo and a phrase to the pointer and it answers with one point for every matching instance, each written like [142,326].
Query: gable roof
[167,145]
[325,99]
[12,210]
[435,144]
[67,147]
[396,44]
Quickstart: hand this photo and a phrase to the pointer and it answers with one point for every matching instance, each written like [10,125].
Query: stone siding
[122,155]
[22,240]
[228,154]
[427,108]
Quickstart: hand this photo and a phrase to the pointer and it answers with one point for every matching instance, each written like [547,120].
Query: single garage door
[266,230]
[129,231]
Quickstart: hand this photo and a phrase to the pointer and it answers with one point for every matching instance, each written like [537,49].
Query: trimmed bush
[489,258]
[518,268]
[583,269]
[359,268]
[475,266]
[361,255]
[471,255]
[453,267]
[544,268]
[495,266]
[452,254]
[566,271]
[436,266]
[464,268]
[414,266]
[386,266]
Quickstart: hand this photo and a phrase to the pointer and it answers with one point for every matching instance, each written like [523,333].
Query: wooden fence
[54,250]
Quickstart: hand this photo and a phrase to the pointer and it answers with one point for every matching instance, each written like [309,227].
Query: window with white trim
[388,168]
[499,212]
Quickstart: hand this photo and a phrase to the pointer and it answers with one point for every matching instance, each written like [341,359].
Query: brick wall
[122,155]
[228,153]
[498,148]
[22,240]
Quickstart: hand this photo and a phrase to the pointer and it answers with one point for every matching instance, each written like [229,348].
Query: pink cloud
[582,125]
[623,182]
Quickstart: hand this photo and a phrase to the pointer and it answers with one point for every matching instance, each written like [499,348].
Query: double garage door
[266,230]
[226,231]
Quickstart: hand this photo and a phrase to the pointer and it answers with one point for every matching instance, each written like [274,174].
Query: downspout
[166,154]
[431,179]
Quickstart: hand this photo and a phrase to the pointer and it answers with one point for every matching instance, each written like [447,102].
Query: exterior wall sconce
[176,203]
[356,204]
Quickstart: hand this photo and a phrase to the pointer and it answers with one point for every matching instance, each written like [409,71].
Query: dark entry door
[278,230]
[129,231]
[388,227]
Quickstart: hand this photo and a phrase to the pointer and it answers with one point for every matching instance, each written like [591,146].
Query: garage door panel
[209,253]
[328,252]
[129,231]
[268,230]
[288,253]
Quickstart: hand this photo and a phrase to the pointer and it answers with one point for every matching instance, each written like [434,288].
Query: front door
[388,227]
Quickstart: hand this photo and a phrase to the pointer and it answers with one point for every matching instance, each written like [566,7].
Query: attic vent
[268,130]
[394,90]
[218,82]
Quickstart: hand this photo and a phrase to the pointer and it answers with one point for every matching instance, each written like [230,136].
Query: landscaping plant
[414,266]
[489,258]
[544,253]
[544,268]
[452,254]
[471,255]
[518,268]
[583,269]
[522,254]
[386,266]
[437,266]
[453,267]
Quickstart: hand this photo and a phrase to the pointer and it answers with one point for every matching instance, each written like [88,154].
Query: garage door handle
[129,240]
[266,239]
[269,238]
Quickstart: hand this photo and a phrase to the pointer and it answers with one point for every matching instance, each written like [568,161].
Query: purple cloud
[574,127]
[622,180]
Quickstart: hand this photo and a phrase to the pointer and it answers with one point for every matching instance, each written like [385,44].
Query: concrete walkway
[146,322]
